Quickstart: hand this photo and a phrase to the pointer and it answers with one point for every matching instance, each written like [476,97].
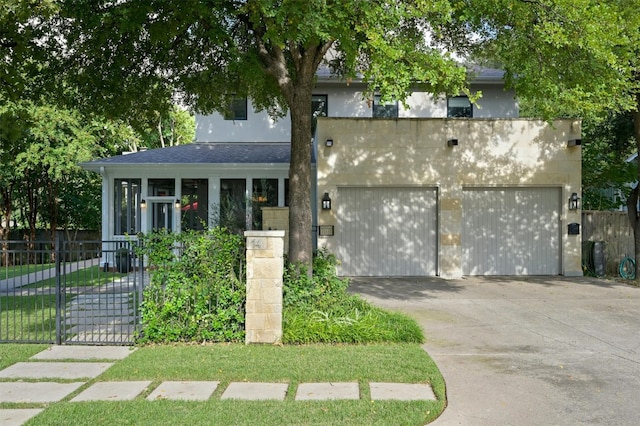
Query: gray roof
[204,153]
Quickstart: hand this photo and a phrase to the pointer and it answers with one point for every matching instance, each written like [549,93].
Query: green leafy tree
[176,127]
[55,142]
[608,143]
[24,48]
[129,56]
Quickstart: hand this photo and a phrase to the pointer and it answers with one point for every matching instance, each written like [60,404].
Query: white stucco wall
[347,101]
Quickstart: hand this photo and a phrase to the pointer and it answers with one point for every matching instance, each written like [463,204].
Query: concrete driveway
[526,351]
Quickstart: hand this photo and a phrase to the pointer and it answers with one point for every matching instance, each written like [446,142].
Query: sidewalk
[34,277]
[66,378]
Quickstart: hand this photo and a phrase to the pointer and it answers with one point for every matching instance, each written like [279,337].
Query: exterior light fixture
[326,201]
[328,143]
[574,142]
[452,142]
[143,204]
[177,203]
[573,201]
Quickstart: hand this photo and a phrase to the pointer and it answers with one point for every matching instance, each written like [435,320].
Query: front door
[162,216]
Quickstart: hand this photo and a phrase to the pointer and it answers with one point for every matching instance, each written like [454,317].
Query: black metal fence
[70,292]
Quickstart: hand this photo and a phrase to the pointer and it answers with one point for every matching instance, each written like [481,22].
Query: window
[459,106]
[194,211]
[384,109]
[127,206]
[264,194]
[162,187]
[233,205]
[319,108]
[237,109]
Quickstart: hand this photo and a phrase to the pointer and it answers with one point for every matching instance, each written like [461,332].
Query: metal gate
[70,292]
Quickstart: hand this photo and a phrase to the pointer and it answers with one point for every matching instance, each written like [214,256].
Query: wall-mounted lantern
[452,143]
[326,201]
[178,204]
[573,201]
[143,204]
[574,142]
[328,143]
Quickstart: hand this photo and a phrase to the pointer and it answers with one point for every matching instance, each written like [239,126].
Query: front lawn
[404,363]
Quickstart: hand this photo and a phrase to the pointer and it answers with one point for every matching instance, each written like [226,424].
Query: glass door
[162,216]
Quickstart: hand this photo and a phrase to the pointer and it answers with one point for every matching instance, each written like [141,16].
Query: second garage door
[387,231]
[511,231]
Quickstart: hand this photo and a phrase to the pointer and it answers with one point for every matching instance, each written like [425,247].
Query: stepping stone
[84,352]
[325,391]
[112,391]
[401,391]
[54,370]
[16,417]
[255,391]
[193,391]
[35,392]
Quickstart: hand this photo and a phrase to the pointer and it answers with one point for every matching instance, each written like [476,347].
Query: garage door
[387,231]
[511,231]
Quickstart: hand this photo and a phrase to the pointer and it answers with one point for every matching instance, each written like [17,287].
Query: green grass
[406,363]
[11,353]
[87,277]
[28,318]
[7,272]
[362,324]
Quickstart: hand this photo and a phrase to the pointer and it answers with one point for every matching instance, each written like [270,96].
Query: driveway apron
[526,351]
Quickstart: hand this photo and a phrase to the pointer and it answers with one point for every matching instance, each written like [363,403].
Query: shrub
[324,288]
[320,310]
[197,288]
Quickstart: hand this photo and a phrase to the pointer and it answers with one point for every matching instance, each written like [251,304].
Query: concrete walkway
[58,365]
[45,274]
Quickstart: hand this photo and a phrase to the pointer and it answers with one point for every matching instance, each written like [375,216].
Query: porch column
[106,217]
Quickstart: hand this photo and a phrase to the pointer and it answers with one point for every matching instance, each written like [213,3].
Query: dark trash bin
[123,260]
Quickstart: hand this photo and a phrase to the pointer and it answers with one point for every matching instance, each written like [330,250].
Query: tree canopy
[576,56]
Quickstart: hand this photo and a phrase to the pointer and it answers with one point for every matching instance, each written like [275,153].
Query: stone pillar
[265,266]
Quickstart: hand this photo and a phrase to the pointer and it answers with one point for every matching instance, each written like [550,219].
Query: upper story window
[459,106]
[384,109]
[319,108]
[237,109]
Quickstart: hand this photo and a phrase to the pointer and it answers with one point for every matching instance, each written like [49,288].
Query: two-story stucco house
[442,187]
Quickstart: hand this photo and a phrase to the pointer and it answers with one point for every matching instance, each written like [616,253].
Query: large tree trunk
[300,218]
[297,88]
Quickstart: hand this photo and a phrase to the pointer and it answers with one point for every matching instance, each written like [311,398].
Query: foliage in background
[175,127]
[607,144]
[197,290]
[41,148]
[318,309]
[607,176]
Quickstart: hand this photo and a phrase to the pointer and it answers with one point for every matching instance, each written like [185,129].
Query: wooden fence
[612,228]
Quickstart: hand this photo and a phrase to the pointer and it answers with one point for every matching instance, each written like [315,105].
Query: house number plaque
[257,243]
